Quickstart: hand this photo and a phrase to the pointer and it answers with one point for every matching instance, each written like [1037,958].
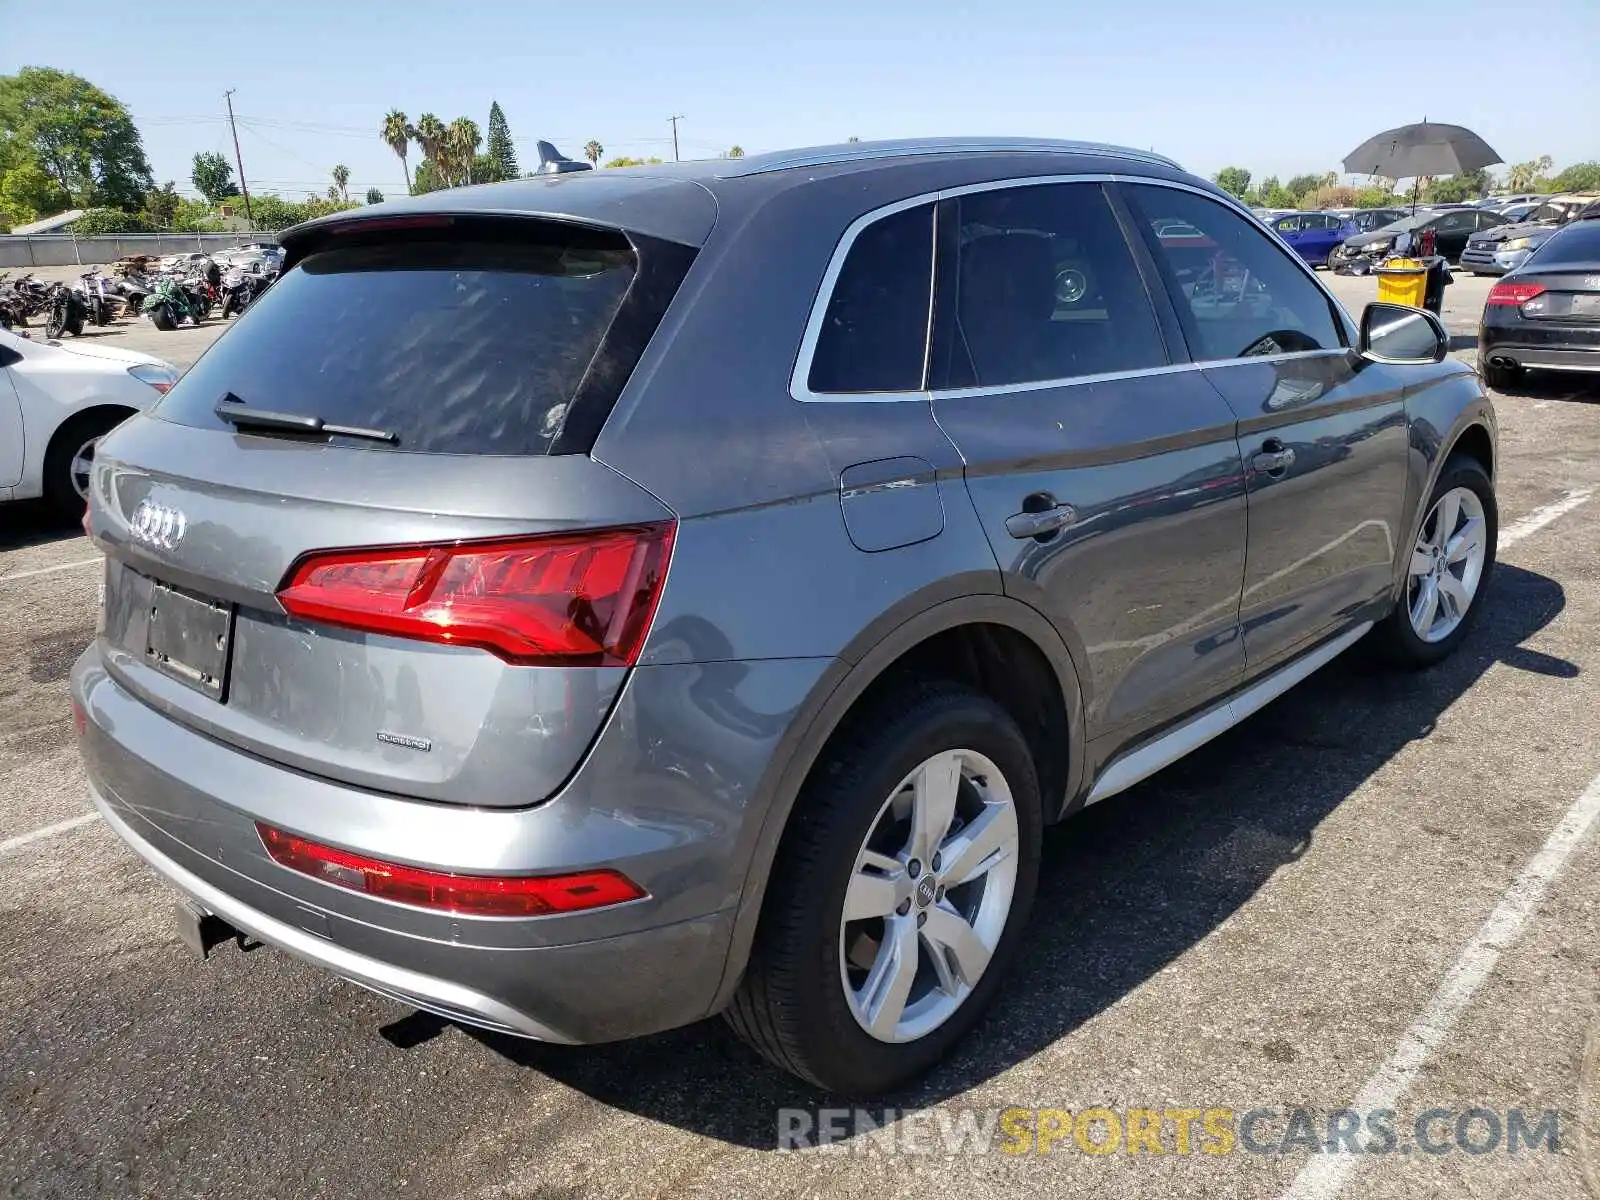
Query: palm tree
[429,134]
[397,134]
[341,180]
[462,140]
[736,152]
[593,151]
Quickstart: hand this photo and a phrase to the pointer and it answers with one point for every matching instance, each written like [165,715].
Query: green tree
[397,133]
[1301,184]
[79,135]
[592,151]
[500,146]
[374,196]
[273,213]
[633,162]
[1233,180]
[852,138]
[1524,176]
[161,205]
[213,177]
[341,180]
[429,135]
[429,178]
[1579,177]
[110,220]
[461,148]
[28,192]
[735,152]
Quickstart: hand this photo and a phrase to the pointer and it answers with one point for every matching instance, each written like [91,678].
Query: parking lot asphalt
[1383,891]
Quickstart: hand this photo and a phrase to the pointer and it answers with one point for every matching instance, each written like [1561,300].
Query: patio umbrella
[1424,149]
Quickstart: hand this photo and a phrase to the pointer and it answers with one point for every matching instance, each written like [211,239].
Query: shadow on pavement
[1555,385]
[33,523]
[1193,845]
[1463,341]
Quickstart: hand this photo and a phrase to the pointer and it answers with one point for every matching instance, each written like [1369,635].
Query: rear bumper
[188,806]
[1546,345]
[1546,359]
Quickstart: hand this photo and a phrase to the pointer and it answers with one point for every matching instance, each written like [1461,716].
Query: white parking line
[38,835]
[67,566]
[1322,1177]
[1543,515]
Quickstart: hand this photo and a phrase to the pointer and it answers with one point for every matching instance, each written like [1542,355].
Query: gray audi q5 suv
[581,605]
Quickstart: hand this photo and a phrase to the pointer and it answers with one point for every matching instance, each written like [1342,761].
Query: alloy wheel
[929,896]
[82,467]
[1447,564]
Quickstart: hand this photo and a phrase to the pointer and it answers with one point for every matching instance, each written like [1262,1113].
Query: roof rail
[816,156]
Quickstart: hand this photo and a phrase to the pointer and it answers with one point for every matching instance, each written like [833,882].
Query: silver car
[586,604]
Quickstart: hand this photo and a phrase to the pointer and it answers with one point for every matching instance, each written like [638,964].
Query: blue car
[1315,235]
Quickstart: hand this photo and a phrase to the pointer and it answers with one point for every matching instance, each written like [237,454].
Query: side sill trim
[1140,764]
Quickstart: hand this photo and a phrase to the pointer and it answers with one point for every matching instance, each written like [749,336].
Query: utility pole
[675,121]
[239,158]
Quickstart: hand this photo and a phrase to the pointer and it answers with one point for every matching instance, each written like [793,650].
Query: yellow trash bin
[1402,281]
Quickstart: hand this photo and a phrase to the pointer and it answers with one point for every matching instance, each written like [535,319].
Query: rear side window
[1041,285]
[1237,292]
[454,347]
[874,335]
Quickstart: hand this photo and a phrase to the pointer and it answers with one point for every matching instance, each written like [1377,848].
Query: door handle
[1040,524]
[1274,459]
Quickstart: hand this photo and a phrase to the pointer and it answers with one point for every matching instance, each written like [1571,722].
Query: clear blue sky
[1279,88]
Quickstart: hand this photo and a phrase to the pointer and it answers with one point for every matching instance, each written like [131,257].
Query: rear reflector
[1512,295]
[472,895]
[80,717]
[574,600]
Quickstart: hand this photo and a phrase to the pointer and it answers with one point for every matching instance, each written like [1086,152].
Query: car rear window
[1577,245]
[455,347]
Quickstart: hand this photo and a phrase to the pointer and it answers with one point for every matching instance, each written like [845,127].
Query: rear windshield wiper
[241,416]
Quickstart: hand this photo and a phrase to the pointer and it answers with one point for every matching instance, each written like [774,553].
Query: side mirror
[1393,333]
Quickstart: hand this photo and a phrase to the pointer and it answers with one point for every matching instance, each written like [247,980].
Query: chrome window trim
[799,379]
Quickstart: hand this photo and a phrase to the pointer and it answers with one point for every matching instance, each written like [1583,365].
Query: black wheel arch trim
[840,687]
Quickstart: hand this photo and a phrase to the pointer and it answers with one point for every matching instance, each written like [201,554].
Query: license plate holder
[189,638]
[1585,306]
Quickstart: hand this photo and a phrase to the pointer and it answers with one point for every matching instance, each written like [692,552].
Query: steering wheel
[1280,341]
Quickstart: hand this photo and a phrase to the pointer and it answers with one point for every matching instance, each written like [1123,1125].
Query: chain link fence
[62,249]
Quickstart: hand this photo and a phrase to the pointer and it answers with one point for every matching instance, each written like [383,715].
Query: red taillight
[80,717]
[1513,295]
[575,600]
[473,895]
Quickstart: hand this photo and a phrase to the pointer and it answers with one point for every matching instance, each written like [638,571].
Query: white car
[56,402]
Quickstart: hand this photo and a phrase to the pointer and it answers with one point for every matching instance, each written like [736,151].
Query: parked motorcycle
[240,287]
[91,287]
[68,311]
[171,301]
[25,297]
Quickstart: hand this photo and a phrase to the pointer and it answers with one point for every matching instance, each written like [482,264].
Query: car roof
[680,201]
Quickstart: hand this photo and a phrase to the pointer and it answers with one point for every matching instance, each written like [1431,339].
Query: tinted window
[1577,244]
[1455,222]
[1042,285]
[1237,293]
[874,335]
[461,347]
[1289,225]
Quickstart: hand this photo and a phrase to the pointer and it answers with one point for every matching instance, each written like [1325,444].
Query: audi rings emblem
[158,526]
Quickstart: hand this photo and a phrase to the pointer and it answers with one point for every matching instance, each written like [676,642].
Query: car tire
[1422,631]
[161,318]
[800,1004]
[62,458]
[1499,377]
